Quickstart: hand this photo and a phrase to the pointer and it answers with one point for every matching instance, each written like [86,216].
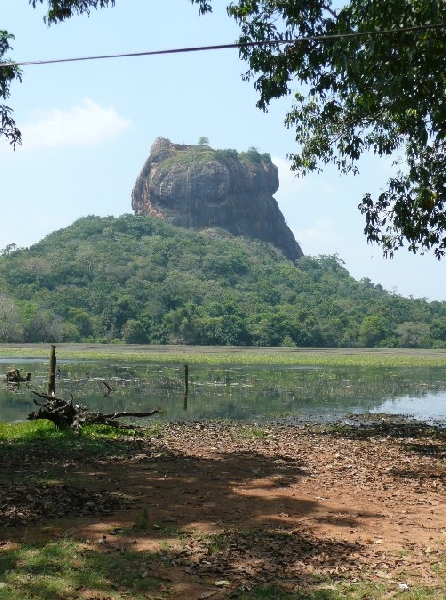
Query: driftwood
[65,414]
[14,376]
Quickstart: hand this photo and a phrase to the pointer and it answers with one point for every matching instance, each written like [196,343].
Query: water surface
[242,393]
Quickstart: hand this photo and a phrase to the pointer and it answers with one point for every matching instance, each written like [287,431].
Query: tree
[133,332]
[372,330]
[59,10]
[11,326]
[369,78]
[45,327]
[413,335]
[8,127]
[203,141]
[8,249]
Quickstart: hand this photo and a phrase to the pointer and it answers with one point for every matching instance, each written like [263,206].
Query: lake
[241,393]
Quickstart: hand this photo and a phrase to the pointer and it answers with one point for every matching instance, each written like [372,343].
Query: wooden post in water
[186,386]
[52,372]
[186,378]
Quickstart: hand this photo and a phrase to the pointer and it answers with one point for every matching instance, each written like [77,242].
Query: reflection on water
[238,393]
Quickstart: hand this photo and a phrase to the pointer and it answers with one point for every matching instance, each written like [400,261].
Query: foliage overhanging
[367,78]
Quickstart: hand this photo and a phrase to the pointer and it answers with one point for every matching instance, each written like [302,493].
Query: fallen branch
[65,414]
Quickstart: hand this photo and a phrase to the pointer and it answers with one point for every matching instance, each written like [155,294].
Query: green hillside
[137,279]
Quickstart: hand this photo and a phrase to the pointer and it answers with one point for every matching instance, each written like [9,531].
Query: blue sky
[88,127]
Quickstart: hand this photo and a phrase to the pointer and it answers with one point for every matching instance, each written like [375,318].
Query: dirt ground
[230,507]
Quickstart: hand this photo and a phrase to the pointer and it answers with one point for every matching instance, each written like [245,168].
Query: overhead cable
[238,45]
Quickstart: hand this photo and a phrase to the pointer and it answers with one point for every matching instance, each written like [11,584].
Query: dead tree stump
[67,415]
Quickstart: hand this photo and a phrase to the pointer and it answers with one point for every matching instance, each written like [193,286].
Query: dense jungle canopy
[137,279]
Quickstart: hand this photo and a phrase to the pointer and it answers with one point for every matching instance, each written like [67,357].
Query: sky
[88,127]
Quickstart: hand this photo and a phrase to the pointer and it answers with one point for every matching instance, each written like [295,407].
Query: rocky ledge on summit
[198,187]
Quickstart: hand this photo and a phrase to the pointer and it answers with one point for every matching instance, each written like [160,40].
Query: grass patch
[343,591]
[248,432]
[362,590]
[42,439]
[67,569]
[216,543]
[32,431]
[143,523]
[43,430]
[63,569]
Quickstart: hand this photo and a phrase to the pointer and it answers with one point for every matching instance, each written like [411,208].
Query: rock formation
[198,187]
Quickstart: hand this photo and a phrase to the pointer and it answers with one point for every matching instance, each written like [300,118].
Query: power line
[334,36]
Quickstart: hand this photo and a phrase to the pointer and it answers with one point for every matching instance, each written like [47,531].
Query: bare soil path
[227,507]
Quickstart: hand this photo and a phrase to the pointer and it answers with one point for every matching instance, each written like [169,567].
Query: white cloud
[291,186]
[300,200]
[288,181]
[85,124]
[321,238]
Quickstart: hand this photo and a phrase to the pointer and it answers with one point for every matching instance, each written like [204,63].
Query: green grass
[45,440]
[93,435]
[275,593]
[62,569]
[143,523]
[218,355]
[252,432]
[43,430]
[360,590]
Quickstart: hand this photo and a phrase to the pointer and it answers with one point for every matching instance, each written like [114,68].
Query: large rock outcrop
[198,187]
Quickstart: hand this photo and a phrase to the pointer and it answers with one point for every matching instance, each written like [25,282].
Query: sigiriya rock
[198,187]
